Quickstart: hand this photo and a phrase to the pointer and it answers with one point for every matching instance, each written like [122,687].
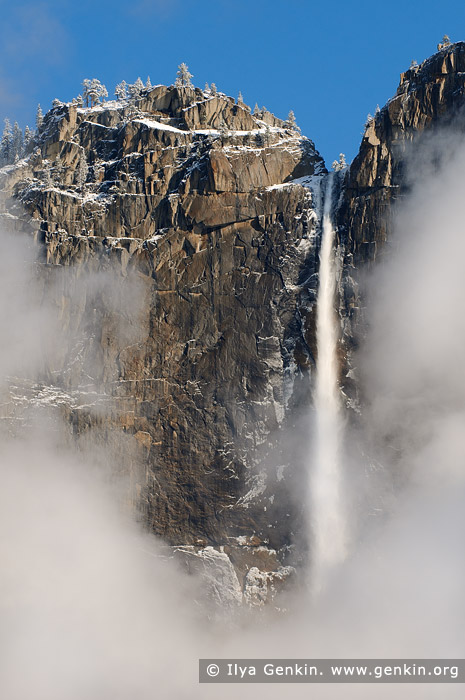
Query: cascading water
[327,518]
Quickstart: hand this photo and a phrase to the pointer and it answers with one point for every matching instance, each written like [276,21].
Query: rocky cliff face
[200,205]
[429,97]
[204,220]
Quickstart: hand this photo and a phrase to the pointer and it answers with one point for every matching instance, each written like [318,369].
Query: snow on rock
[260,586]
[257,484]
[217,572]
[158,125]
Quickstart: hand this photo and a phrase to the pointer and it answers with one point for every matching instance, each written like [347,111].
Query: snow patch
[218,574]
[152,124]
[258,487]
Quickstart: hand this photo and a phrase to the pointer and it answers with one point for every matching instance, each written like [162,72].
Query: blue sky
[331,62]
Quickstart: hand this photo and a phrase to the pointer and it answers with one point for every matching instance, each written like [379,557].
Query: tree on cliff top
[340,164]
[28,136]
[94,91]
[6,144]
[136,89]
[183,78]
[445,43]
[17,141]
[121,91]
[39,116]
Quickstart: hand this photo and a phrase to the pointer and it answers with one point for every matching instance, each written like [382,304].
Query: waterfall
[327,518]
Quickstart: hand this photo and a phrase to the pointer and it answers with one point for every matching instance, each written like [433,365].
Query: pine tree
[17,141]
[28,136]
[291,120]
[6,144]
[135,89]
[94,91]
[148,84]
[256,111]
[445,43]
[121,91]
[85,92]
[206,88]
[213,89]
[183,78]
[39,117]
[340,164]
[240,99]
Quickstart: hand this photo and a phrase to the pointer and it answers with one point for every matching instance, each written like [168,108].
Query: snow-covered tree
[340,164]
[85,92]
[56,102]
[39,117]
[135,89]
[240,99]
[256,110]
[121,91]
[445,43]
[413,64]
[94,92]
[369,119]
[290,121]
[183,78]
[17,141]
[213,89]
[148,83]
[6,144]
[28,136]
[206,88]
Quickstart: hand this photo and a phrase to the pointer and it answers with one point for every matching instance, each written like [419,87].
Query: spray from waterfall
[327,517]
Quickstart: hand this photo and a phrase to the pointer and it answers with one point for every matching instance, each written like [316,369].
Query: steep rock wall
[429,97]
[200,205]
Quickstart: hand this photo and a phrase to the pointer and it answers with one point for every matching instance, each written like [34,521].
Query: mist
[92,606]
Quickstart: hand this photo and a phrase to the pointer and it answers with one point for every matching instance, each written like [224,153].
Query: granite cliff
[430,96]
[212,216]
